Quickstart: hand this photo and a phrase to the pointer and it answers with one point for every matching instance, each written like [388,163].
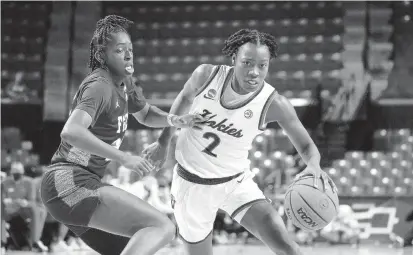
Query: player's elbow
[69,134]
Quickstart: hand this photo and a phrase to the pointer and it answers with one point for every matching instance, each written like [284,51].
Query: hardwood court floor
[261,250]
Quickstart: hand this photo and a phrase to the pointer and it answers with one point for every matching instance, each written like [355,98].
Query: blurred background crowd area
[345,66]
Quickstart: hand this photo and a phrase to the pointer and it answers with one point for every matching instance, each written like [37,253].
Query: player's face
[119,54]
[251,66]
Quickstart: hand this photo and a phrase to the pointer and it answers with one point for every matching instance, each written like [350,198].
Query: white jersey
[221,148]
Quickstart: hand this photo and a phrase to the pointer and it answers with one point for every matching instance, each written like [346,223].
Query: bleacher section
[168,47]
[14,148]
[24,34]
[399,80]
[387,170]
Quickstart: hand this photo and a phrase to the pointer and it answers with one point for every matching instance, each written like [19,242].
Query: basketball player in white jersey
[213,168]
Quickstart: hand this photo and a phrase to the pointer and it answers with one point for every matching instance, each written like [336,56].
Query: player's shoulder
[203,71]
[278,102]
[99,82]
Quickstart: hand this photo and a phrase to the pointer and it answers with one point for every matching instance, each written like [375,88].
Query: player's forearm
[310,155]
[156,118]
[83,139]
[180,106]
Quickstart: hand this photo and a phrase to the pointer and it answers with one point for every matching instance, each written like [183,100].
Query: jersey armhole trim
[208,81]
[261,122]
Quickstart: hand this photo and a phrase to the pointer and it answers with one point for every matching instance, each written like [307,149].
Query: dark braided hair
[239,38]
[104,27]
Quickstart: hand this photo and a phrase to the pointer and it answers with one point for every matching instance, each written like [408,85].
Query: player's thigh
[195,207]
[203,247]
[245,194]
[103,242]
[122,213]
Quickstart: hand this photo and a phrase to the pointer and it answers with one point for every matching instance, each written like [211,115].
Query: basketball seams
[312,209]
[295,216]
[320,190]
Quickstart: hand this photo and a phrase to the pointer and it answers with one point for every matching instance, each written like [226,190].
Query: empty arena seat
[344,184]
[260,143]
[405,150]
[399,191]
[356,190]
[375,157]
[378,191]
[333,173]
[381,140]
[354,157]
[256,158]
[343,166]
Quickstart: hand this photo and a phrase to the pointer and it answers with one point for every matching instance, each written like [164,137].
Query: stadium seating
[387,170]
[169,47]
[24,34]
[14,148]
[399,79]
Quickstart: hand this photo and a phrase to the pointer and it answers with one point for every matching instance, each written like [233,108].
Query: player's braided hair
[104,27]
[239,38]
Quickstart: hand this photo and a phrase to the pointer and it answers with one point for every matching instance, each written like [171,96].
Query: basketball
[308,207]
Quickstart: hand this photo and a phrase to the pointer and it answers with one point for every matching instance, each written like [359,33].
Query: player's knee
[169,229]
[278,237]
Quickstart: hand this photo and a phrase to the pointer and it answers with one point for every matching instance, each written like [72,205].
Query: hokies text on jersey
[221,125]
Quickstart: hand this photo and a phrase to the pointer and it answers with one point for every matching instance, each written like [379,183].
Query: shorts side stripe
[242,207]
[68,191]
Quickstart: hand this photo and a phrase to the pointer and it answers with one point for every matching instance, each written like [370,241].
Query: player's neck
[117,80]
[236,87]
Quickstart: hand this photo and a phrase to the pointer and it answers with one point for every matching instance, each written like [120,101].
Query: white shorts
[196,205]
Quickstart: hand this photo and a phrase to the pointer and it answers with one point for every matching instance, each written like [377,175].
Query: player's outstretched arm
[282,111]
[184,100]
[152,116]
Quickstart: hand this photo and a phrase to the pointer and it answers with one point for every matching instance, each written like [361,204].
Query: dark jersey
[109,106]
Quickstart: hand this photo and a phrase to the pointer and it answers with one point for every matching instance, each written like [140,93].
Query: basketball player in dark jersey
[241,104]
[108,219]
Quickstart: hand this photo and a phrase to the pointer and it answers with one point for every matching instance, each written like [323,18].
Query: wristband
[169,119]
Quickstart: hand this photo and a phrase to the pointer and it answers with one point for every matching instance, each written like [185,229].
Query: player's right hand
[138,164]
[190,121]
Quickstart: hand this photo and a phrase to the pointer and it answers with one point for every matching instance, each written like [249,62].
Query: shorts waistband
[186,175]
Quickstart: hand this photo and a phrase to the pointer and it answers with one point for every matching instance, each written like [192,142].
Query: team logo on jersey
[248,114]
[222,125]
[117,104]
[211,94]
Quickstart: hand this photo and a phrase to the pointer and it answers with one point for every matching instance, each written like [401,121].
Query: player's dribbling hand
[156,154]
[189,121]
[138,164]
[318,173]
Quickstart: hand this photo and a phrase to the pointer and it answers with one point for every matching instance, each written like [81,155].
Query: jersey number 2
[215,142]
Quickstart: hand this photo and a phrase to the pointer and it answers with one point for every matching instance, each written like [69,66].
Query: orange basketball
[308,207]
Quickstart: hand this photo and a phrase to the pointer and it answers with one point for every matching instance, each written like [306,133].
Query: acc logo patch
[248,114]
[211,94]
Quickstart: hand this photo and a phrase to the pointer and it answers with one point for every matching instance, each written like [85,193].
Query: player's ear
[233,59]
[100,57]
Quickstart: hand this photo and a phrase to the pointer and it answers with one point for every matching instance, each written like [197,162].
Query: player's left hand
[189,121]
[318,174]
[156,154]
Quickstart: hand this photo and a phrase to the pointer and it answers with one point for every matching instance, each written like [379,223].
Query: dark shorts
[70,194]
